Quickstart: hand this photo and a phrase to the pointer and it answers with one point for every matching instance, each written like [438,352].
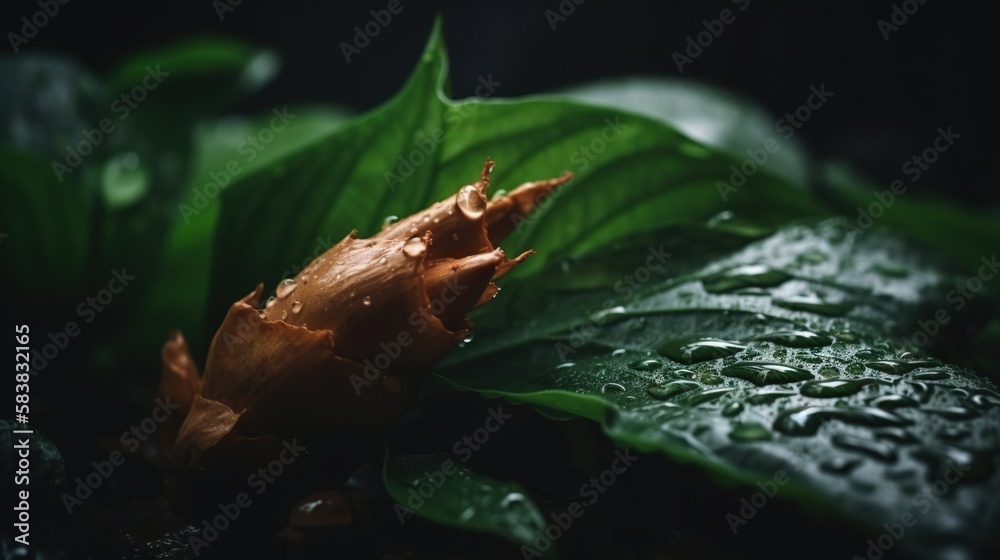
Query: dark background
[890,96]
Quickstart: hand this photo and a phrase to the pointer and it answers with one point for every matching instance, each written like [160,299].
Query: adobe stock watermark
[913,168]
[900,15]
[565,9]
[750,506]
[229,512]
[426,143]
[121,107]
[131,440]
[586,154]
[786,126]
[87,310]
[921,503]
[249,148]
[31,25]
[581,158]
[393,348]
[590,492]
[464,449]
[224,7]
[626,287]
[695,45]
[363,34]
[243,329]
[959,297]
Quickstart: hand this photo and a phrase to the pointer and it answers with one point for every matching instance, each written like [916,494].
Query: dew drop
[889,402]
[732,409]
[285,288]
[471,202]
[664,392]
[366,301]
[763,373]
[468,338]
[296,307]
[796,339]
[612,389]
[689,351]
[270,302]
[414,247]
[769,397]
[807,421]
[618,352]
[874,449]
[705,395]
[747,276]
[750,431]
[646,365]
[833,388]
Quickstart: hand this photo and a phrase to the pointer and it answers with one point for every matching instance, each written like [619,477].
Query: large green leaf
[178,294]
[443,490]
[794,353]
[46,243]
[632,172]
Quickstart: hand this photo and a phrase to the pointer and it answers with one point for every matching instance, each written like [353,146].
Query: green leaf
[439,489]
[710,115]
[797,352]
[632,173]
[179,292]
[46,243]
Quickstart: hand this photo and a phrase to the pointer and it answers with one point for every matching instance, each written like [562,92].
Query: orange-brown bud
[337,350]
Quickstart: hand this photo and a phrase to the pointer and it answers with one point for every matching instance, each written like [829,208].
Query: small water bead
[610,389]
[889,402]
[566,365]
[896,367]
[664,392]
[931,376]
[985,399]
[874,449]
[296,306]
[690,351]
[618,352]
[764,373]
[414,247]
[796,339]
[833,388]
[383,260]
[646,365]
[855,368]
[732,409]
[270,302]
[388,221]
[768,397]
[840,465]
[750,431]
[285,288]
[706,395]
[471,202]
[807,421]
[366,301]
[746,276]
